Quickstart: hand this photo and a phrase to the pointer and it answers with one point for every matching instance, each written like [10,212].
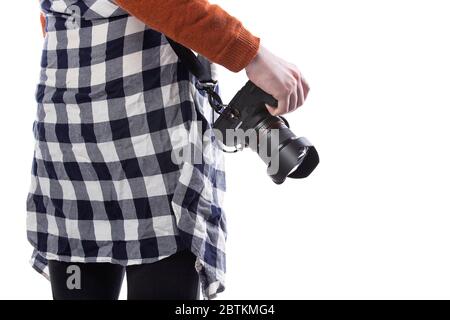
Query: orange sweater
[199,25]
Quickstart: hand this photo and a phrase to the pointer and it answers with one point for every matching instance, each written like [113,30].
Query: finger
[281,109]
[301,94]
[306,88]
[293,101]
[284,107]
[271,109]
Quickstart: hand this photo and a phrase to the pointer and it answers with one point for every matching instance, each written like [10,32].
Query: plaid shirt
[114,105]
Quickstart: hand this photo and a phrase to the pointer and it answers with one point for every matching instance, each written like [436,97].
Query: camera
[246,123]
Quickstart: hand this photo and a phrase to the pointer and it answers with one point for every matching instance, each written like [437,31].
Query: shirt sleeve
[200,26]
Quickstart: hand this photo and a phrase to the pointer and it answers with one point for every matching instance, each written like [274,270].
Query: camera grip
[260,95]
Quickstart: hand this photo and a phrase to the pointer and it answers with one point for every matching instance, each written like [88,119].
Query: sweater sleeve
[199,25]
[43,23]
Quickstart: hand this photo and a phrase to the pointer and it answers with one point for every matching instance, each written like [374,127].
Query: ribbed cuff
[240,52]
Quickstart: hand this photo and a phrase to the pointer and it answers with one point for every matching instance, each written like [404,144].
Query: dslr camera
[246,122]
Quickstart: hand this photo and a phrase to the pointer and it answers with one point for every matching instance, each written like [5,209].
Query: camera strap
[191,61]
[204,82]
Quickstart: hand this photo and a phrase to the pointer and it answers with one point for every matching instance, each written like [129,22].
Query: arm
[221,38]
[209,30]
[199,25]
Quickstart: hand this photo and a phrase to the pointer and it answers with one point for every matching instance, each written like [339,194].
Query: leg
[85,281]
[172,278]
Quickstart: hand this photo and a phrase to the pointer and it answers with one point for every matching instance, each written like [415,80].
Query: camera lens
[297,159]
[300,156]
[285,154]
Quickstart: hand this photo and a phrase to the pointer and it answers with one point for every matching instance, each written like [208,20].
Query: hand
[279,78]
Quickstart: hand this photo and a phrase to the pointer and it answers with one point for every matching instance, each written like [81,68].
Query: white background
[372,222]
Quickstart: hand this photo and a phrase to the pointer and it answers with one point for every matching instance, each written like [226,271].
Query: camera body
[269,136]
[245,111]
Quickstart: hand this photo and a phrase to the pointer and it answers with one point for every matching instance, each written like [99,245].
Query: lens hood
[297,159]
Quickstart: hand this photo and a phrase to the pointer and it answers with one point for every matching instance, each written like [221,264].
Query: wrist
[255,61]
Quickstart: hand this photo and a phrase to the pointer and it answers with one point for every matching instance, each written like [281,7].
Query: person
[106,198]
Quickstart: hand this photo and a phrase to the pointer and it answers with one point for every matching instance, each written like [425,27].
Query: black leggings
[172,278]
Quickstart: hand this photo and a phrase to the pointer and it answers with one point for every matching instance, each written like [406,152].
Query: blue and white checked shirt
[112,101]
